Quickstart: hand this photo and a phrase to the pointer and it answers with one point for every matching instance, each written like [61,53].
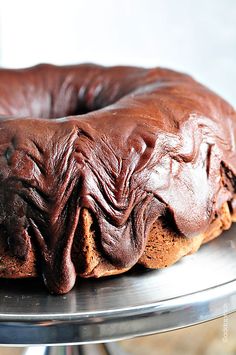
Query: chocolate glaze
[135,144]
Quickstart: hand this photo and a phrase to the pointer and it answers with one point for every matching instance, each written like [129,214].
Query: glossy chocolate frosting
[128,144]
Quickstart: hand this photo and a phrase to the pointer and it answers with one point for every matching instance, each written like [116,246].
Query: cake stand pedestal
[199,288]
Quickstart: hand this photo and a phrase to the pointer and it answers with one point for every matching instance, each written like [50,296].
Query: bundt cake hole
[43,106]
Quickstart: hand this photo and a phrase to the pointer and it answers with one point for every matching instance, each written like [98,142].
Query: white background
[195,36]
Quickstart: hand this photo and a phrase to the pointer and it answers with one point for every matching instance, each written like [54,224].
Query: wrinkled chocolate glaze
[135,144]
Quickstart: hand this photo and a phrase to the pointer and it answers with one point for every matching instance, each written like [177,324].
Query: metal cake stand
[199,288]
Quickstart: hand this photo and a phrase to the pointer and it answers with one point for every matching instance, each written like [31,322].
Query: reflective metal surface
[198,288]
[82,349]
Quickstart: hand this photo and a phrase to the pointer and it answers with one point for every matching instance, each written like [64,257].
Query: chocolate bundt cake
[103,168]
